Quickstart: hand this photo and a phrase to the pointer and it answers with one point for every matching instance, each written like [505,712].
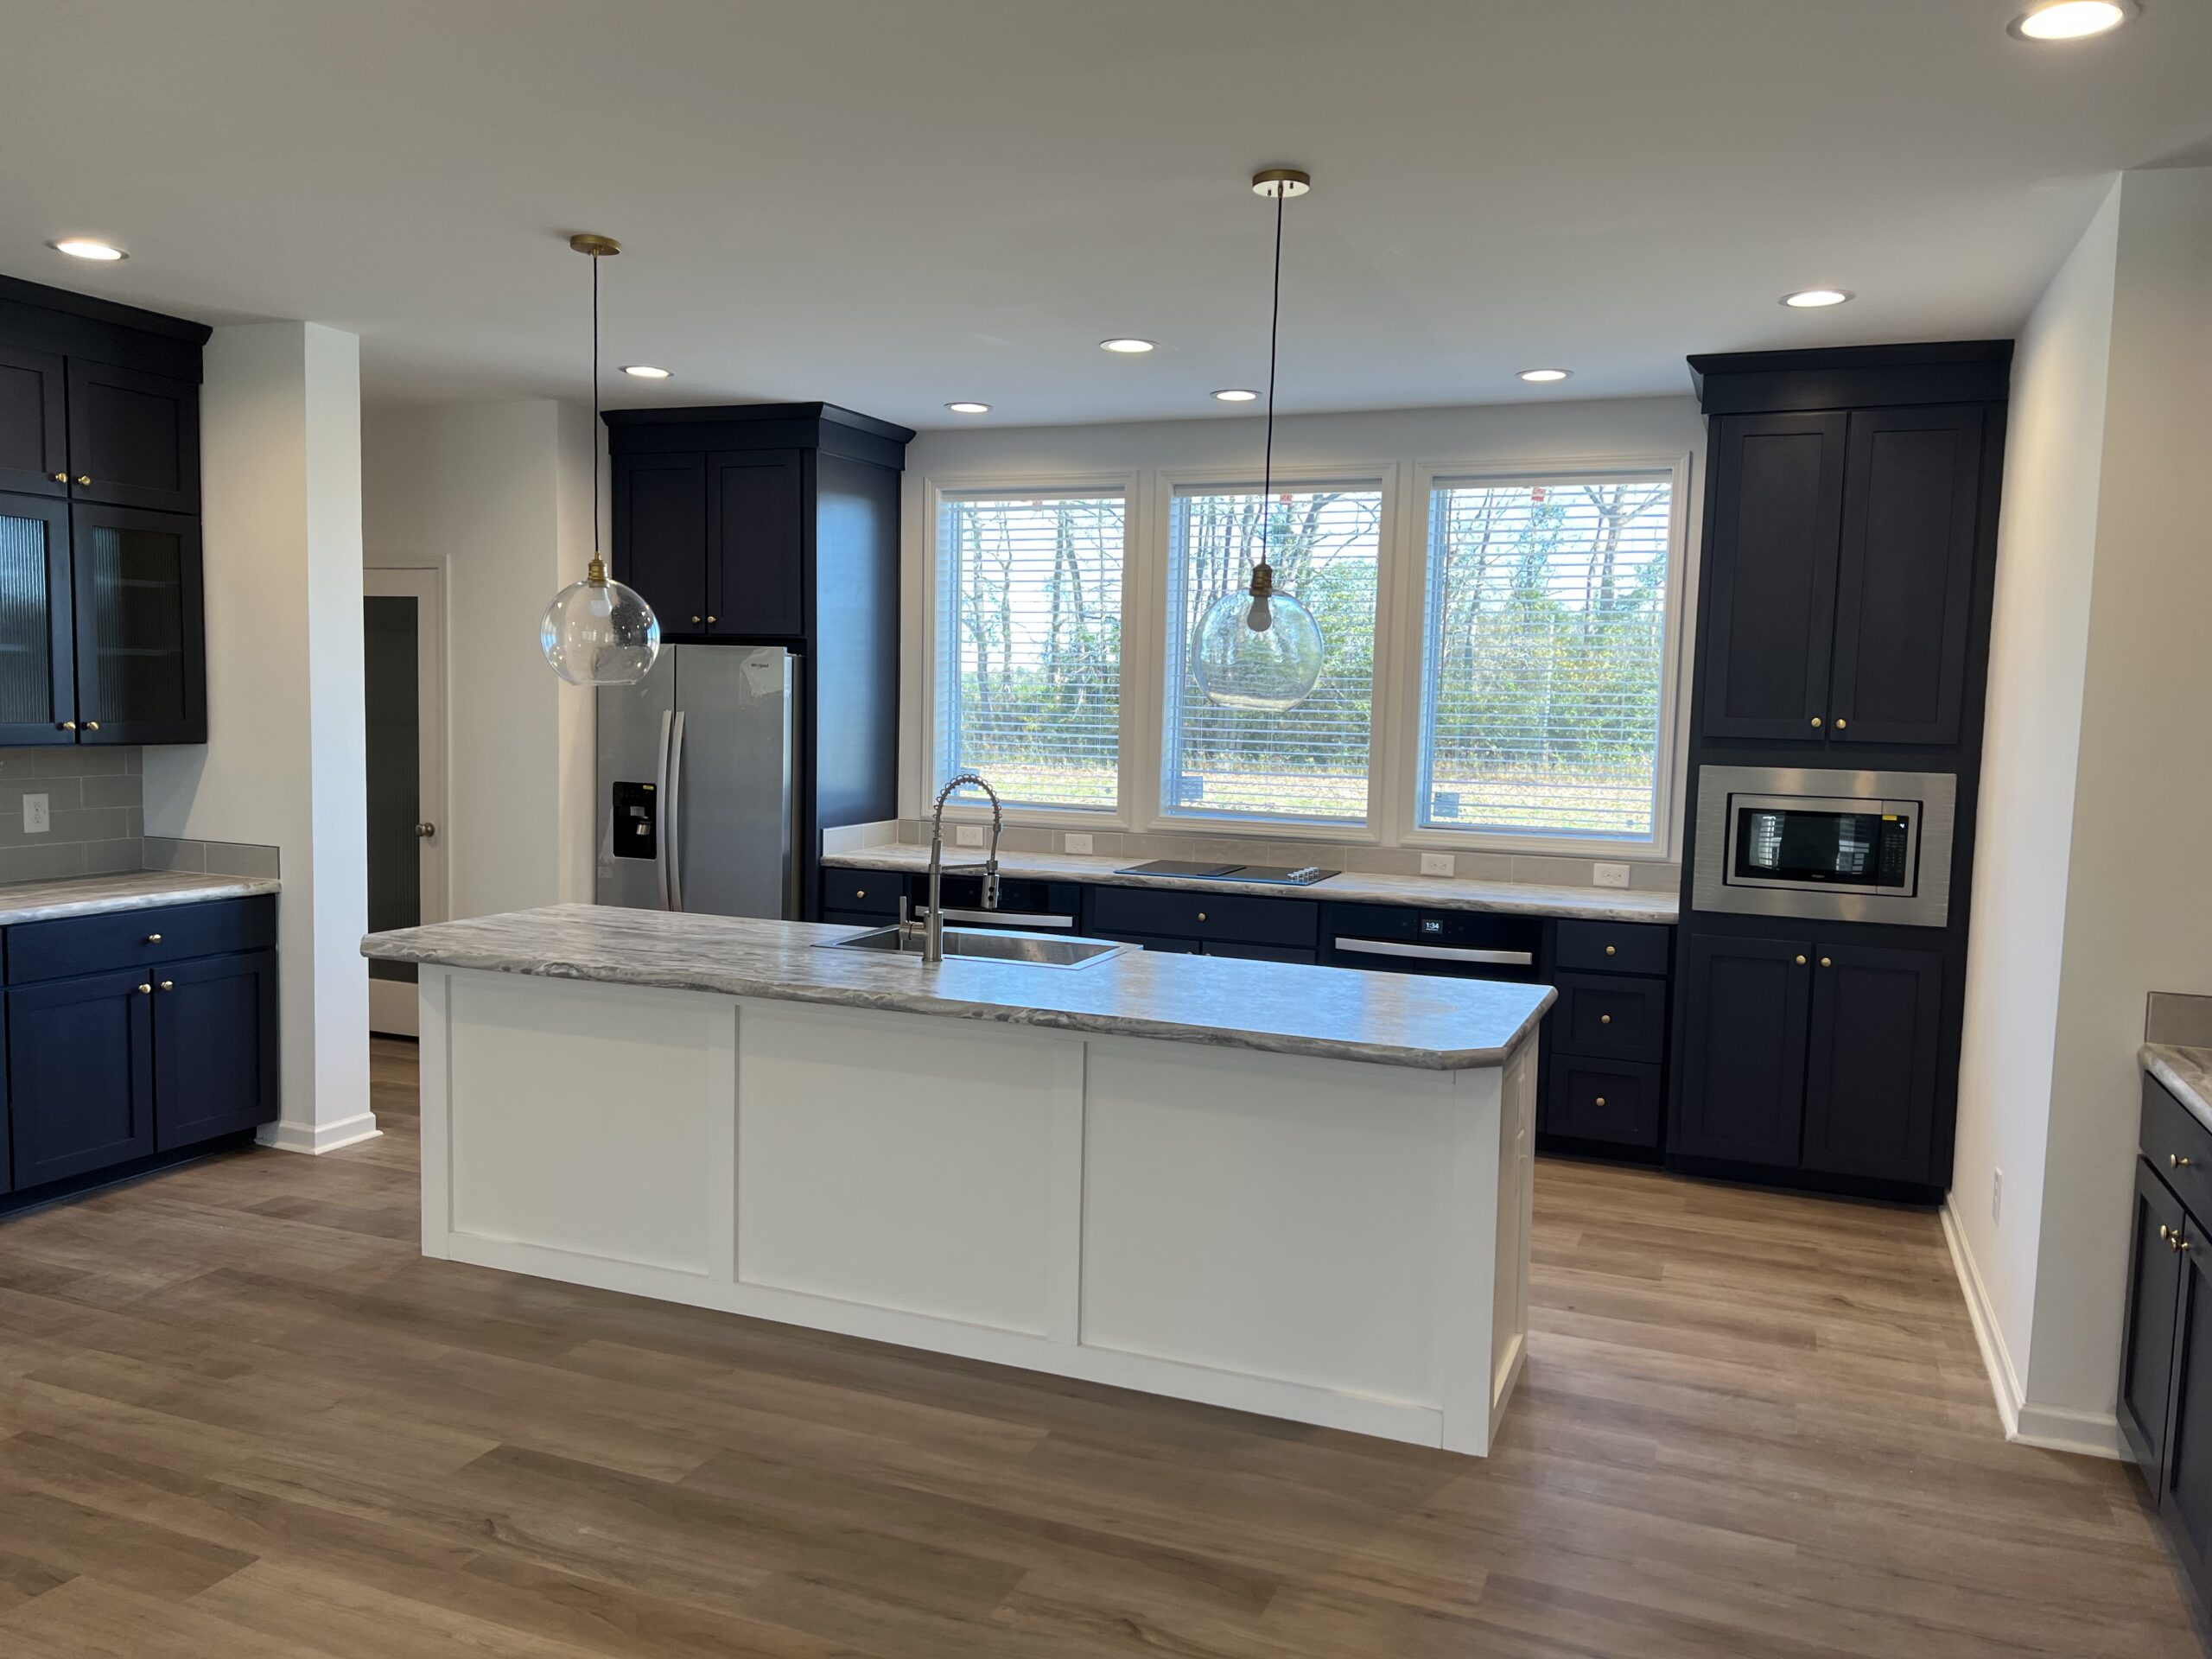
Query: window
[1029,647]
[1546,655]
[1308,764]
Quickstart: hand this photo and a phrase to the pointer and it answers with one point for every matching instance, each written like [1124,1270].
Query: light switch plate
[1078,843]
[1609,875]
[37,820]
[967,835]
[1437,863]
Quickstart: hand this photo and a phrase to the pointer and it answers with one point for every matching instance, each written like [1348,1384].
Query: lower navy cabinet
[1871,1072]
[214,1048]
[80,1075]
[2146,1353]
[134,1034]
[1739,1068]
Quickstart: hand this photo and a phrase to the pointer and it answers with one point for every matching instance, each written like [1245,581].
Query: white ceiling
[893,203]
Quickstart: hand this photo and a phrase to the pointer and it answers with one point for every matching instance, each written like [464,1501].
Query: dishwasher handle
[1473,955]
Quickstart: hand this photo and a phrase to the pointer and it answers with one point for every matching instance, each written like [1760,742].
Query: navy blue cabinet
[80,1075]
[132,1035]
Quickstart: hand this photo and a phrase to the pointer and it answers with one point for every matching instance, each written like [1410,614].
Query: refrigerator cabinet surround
[696,799]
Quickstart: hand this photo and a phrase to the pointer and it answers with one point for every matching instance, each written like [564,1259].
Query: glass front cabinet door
[136,596]
[38,690]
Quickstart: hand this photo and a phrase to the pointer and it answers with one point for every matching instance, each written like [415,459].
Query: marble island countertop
[1433,1024]
[2186,1073]
[95,895]
[1358,887]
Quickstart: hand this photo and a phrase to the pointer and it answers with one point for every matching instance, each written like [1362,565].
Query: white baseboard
[2053,1429]
[316,1139]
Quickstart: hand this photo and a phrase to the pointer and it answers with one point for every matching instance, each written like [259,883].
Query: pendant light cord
[595,408]
[1274,333]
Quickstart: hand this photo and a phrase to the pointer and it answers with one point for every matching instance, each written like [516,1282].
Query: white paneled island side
[1296,1190]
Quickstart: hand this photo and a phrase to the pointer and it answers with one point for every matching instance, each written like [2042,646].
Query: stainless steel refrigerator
[698,801]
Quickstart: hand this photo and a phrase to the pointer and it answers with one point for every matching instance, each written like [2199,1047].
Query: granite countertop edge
[2186,1074]
[425,946]
[65,897]
[1354,887]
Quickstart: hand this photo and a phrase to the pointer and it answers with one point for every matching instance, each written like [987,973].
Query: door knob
[426,830]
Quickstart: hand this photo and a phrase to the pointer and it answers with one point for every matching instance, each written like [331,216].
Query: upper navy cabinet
[34,430]
[101,630]
[716,541]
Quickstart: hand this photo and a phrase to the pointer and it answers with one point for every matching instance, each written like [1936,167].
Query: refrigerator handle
[672,827]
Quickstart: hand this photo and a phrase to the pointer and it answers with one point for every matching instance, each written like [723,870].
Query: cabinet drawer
[131,939]
[1613,1101]
[1601,1018]
[1204,916]
[1614,947]
[2178,1147]
[873,892]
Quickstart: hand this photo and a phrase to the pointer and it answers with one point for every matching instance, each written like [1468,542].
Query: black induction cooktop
[1281,875]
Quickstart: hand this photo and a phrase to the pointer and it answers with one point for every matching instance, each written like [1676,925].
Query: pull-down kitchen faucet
[933,924]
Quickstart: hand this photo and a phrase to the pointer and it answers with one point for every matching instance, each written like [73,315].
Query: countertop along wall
[1495,436]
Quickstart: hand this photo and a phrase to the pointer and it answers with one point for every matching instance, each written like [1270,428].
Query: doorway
[402,614]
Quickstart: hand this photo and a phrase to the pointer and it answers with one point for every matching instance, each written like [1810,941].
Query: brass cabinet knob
[1825,962]
[1601,1100]
[145,990]
[1202,915]
[1816,721]
[711,617]
[2164,1231]
[2180,1243]
[92,725]
[2174,1160]
[168,985]
[68,725]
[1604,1019]
[153,939]
[62,478]
[695,619]
[1801,962]
[81,478]
[1841,722]
[859,892]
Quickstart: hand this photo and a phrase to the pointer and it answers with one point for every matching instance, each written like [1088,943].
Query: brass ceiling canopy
[597,246]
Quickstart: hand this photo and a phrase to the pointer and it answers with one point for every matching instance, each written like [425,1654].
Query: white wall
[1471,439]
[2090,886]
[284,763]
[500,494]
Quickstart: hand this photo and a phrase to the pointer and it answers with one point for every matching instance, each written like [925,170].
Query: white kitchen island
[1301,1191]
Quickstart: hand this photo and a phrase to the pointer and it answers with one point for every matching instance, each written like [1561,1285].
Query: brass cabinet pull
[2164,1231]
[1601,1100]
[695,619]
[1610,950]
[2180,1243]
[168,985]
[92,725]
[1604,1019]
[68,725]
[81,478]
[1816,721]
[1841,722]
[1825,962]
[145,990]
[62,478]
[1801,962]
[859,892]
[1202,915]
[2174,1160]
[713,619]
[153,939]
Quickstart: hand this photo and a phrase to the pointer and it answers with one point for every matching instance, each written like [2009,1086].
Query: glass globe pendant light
[1260,648]
[597,632]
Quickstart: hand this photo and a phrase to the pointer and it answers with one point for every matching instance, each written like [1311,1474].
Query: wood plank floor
[240,1416]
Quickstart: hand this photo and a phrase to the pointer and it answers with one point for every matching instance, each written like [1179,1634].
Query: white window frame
[1382,476]
[922,679]
[1409,728]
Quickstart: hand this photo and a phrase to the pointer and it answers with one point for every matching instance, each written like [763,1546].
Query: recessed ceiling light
[1236,395]
[83,247]
[1539,377]
[1811,299]
[969,409]
[644,372]
[1126,345]
[2071,20]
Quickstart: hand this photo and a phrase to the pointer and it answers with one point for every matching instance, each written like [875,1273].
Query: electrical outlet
[967,835]
[1996,1196]
[1078,843]
[1437,863]
[37,820]
[1609,875]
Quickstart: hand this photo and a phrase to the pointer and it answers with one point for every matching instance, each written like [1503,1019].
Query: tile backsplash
[96,813]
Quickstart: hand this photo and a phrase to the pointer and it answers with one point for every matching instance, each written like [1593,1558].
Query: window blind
[1029,653]
[1546,655]
[1310,764]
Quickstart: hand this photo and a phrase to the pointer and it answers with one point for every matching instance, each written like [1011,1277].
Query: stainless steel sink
[1038,949]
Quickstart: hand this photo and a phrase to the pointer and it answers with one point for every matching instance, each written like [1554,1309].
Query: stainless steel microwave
[1827,846]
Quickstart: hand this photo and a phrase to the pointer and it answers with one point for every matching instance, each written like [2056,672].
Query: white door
[403,666]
